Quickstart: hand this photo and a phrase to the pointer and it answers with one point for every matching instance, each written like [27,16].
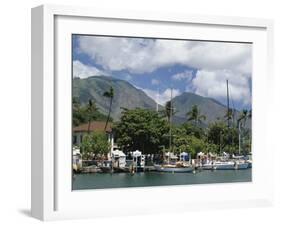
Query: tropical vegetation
[95,145]
[152,132]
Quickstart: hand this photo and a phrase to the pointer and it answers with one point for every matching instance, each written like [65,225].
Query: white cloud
[186,75]
[84,71]
[139,55]
[161,97]
[155,82]
[215,61]
[212,83]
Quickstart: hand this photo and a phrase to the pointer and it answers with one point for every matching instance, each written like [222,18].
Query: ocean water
[123,180]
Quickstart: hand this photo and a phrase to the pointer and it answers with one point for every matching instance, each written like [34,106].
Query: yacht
[173,168]
[223,165]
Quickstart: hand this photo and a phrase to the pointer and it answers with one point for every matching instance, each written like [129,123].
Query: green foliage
[169,110]
[196,146]
[216,132]
[141,129]
[211,148]
[193,130]
[148,131]
[225,139]
[244,115]
[110,93]
[195,115]
[188,143]
[246,147]
[229,114]
[94,144]
[180,140]
[125,94]
[82,114]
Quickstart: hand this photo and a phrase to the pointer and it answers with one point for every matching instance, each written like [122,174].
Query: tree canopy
[95,144]
[195,115]
[82,113]
[141,129]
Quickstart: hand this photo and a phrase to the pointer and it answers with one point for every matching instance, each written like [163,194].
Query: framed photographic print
[134,111]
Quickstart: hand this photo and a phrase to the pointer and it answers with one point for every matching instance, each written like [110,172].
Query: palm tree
[109,94]
[169,111]
[229,114]
[91,108]
[76,112]
[195,115]
[250,114]
[245,114]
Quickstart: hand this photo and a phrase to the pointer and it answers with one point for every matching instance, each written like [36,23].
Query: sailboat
[178,167]
[241,163]
[225,163]
[173,168]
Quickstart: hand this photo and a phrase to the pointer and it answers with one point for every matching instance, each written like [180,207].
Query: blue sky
[157,65]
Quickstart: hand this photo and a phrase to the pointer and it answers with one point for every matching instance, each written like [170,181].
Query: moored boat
[173,169]
[249,163]
[223,165]
[241,162]
[207,166]
[106,169]
[241,165]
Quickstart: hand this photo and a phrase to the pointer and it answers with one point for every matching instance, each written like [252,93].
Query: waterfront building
[95,126]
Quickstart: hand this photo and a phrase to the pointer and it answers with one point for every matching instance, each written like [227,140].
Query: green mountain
[128,96]
[125,94]
[212,109]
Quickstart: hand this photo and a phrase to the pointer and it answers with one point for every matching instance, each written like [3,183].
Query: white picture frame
[52,197]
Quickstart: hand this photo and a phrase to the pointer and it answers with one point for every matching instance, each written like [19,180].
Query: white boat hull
[249,164]
[173,169]
[207,166]
[242,165]
[224,166]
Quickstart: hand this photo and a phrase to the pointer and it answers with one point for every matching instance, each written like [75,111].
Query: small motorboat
[178,168]
[224,165]
[241,165]
[207,166]
[106,169]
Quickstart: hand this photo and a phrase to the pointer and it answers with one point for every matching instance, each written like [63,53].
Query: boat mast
[239,135]
[227,93]
[170,131]
[228,122]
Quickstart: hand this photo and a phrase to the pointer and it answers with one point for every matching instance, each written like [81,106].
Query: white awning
[118,153]
[136,153]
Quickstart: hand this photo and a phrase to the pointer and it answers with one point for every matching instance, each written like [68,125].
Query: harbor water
[123,180]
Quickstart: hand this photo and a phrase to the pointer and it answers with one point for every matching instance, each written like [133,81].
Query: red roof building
[95,126]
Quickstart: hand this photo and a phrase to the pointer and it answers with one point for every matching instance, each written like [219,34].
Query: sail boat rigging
[172,168]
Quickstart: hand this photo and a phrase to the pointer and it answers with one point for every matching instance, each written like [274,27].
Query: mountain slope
[128,96]
[211,108]
[125,95]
